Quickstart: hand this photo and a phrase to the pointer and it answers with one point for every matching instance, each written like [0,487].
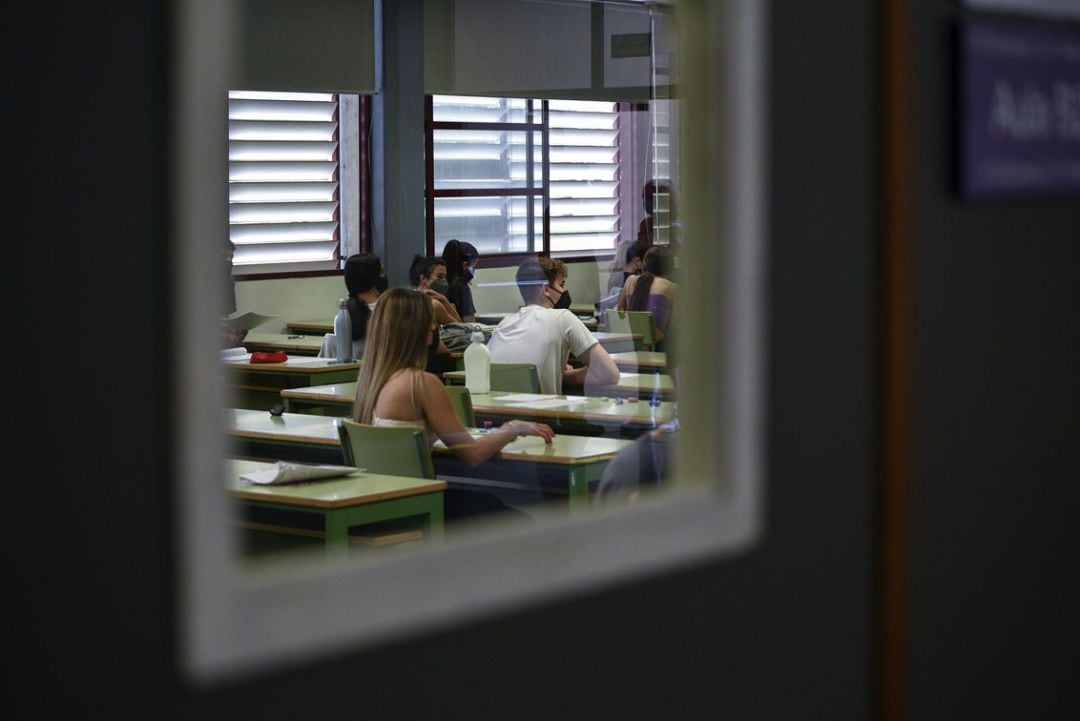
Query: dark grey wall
[785,632]
[995,586]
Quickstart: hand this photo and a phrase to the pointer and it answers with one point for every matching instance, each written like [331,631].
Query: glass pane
[493,224]
[465,109]
[479,159]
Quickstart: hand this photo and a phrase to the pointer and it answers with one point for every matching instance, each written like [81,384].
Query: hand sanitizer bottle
[478,364]
[343,332]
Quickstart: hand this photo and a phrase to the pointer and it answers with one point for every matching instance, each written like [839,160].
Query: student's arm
[435,404]
[445,312]
[627,291]
[597,369]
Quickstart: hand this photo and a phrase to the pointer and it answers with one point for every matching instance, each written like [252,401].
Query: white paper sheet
[286,472]
[523,397]
[555,402]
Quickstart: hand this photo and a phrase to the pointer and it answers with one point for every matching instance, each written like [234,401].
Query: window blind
[492,156]
[283,182]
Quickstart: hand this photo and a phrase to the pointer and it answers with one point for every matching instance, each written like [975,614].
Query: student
[428,275]
[394,390]
[645,463]
[647,228]
[461,259]
[365,281]
[423,274]
[545,333]
[653,290]
[632,261]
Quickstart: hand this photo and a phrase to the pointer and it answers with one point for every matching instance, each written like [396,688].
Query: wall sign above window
[1020,109]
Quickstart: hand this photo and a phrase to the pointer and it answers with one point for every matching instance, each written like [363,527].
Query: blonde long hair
[397,339]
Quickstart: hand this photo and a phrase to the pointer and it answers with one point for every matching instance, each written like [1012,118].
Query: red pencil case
[277,356]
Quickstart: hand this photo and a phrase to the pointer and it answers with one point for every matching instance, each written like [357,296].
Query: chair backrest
[461,400]
[515,377]
[632,321]
[386,449]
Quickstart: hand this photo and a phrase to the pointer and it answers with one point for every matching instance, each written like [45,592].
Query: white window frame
[234,625]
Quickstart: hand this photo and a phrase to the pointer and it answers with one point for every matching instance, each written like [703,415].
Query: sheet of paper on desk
[285,472]
[524,398]
[307,361]
[554,402]
[246,320]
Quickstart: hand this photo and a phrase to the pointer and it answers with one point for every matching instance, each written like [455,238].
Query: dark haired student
[365,281]
[461,261]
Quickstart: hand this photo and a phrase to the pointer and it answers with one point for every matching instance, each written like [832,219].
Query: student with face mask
[653,291]
[365,281]
[428,275]
[461,259]
[544,332]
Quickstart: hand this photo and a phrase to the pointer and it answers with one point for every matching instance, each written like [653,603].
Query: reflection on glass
[587,180]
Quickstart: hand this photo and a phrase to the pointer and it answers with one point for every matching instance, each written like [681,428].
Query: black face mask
[381,284]
[564,300]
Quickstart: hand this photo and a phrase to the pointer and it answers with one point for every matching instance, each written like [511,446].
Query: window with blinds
[283,182]
[513,175]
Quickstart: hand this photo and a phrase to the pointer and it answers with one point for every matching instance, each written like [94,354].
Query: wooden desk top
[290,343]
[608,411]
[311,326]
[355,489]
[287,428]
[630,384]
[585,316]
[607,339]
[322,430]
[295,364]
[633,360]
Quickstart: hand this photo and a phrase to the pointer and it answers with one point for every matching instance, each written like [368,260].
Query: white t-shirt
[544,337]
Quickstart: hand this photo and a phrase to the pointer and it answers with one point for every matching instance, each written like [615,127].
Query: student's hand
[235,336]
[434,294]
[525,428]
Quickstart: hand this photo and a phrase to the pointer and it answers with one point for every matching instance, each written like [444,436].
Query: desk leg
[337,534]
[579,489]
[435,518]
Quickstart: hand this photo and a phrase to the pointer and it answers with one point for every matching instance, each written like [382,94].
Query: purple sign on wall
[1020,122]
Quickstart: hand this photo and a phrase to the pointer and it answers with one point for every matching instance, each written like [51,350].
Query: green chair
[386,449]
[461,400]
[634,322]
[515,377]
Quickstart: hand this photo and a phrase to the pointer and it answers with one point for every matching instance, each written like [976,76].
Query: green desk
[570,464]
[579,415]
[619,342]
[353,500]
[311,327]
[292,344]
[630,385]
[642,361]
[259,385]
[495,318]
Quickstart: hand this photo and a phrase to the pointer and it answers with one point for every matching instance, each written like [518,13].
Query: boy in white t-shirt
[545,333]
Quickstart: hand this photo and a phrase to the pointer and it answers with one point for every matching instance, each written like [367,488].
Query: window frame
[362,162]
[502,260]
[233,626]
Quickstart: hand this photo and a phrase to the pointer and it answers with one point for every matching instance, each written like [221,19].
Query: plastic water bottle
[477,364]
[343,332]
